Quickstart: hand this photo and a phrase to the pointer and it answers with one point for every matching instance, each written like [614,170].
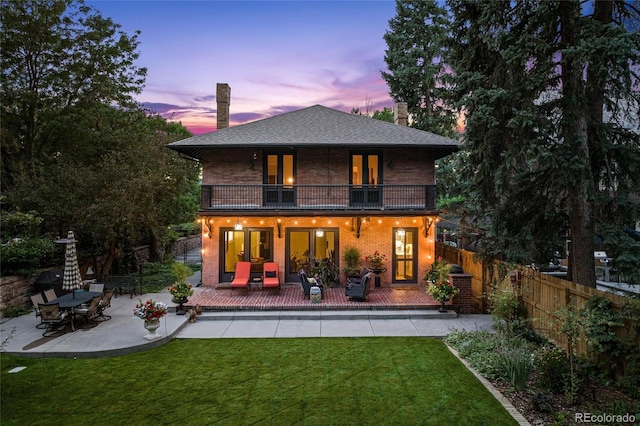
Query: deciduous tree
[76,147]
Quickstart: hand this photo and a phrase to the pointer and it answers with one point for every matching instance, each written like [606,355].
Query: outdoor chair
[96,287]
[270,277]
[50,295]
[358,280]
[307,283]
[104,304]
[242,275]
[37,300]
[53,318]
[358,292]
[90,312]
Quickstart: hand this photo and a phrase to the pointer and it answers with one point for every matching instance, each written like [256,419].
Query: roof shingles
[316,126]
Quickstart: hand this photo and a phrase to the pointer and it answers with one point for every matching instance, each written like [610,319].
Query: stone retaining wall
[13,293]
[186,244]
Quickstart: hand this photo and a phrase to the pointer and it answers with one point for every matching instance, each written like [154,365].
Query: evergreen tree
[415,59]
[546,89]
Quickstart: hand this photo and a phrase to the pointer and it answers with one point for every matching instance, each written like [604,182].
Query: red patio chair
[242,275]
[270,277]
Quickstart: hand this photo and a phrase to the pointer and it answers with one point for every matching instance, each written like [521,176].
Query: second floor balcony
[418,199]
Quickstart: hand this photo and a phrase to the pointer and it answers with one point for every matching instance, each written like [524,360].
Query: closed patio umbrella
[71,279]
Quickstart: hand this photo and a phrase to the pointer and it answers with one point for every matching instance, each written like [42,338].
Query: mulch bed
[594,398]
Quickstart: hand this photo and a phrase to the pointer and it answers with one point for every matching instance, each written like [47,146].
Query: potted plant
[180,290]
[376,261]
[326,270]
[151,312]
[439,287]
[351,258]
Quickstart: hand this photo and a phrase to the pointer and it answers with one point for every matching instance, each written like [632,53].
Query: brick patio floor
[291,297]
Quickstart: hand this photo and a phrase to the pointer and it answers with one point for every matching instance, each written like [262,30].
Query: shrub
[186,229]
[15,311]
[507,310]
[18,224]
[554,368]
[23,257]
[542,402]
[479,348]
[158,276]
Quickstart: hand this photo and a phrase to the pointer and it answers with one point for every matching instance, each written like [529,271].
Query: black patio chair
[358,280]
[306,284]
[358,291]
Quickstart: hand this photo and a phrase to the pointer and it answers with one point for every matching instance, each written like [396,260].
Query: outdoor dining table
[70,301]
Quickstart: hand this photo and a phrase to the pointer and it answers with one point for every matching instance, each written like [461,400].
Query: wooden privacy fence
[545,297]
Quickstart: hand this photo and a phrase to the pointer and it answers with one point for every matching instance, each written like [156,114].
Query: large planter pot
[180,310]
[378,270]
[152,327]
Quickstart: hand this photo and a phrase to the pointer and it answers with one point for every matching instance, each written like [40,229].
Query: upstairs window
[365,169]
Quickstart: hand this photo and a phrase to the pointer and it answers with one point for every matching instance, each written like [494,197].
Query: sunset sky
[277,56]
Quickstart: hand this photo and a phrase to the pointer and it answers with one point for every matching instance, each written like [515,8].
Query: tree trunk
[156,251]
[111,257]
[574,134]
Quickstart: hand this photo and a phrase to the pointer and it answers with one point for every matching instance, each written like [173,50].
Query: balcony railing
[224,198]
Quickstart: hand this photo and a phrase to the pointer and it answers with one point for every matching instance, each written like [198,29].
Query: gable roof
[316,126]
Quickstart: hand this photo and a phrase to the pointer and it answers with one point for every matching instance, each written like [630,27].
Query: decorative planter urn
[180,310]
[152,326]
[378,270]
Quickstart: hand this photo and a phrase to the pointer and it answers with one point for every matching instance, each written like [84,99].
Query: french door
[405,255]
[279,180]
[246,245]
[304,246]
[365,180]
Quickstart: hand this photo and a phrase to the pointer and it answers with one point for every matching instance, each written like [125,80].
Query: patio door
[365,180]
[279,180]
[303,246]
[404,255]
[247,245]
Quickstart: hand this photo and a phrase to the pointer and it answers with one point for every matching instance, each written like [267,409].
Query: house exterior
[303,186]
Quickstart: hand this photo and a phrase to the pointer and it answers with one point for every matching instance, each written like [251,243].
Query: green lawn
[322,381]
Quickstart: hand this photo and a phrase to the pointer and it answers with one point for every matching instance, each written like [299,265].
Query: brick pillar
[463,299]
[223,98]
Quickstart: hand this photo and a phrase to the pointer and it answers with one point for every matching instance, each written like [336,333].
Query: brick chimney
[223,97]
[400,113]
